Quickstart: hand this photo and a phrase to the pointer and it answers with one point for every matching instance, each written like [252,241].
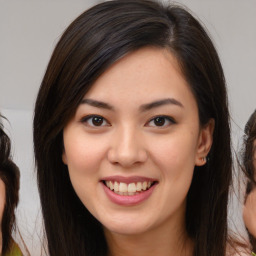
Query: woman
[249,163]
[132,136]
[9,197]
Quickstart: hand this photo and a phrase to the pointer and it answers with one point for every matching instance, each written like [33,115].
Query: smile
[129,189]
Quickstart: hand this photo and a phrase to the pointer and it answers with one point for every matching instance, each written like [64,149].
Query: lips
[128,190]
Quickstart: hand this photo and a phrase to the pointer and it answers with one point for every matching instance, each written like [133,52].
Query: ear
[204,142]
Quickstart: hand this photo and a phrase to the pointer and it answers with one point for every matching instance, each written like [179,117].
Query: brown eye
[95,121]
[161,121]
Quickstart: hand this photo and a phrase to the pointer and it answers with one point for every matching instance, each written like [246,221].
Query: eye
[161,121]
[95,121]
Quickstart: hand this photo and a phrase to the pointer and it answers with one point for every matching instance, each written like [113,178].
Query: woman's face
[133,142]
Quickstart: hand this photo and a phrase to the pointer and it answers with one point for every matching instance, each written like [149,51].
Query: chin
[129,227]
[126,231]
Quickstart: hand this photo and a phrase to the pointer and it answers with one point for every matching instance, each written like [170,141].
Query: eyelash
[166,118]
[86,120]
[103,122]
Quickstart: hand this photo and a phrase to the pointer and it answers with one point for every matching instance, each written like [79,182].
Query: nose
[127,148]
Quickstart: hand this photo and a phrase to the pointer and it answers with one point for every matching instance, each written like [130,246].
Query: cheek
[176,160]
[83,162]
[176,152]
[83,155]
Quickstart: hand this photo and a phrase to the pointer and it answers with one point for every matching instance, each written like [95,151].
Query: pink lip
[128,200]
[128,180]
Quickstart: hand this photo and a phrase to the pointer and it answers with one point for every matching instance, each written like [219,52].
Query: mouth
[128,189]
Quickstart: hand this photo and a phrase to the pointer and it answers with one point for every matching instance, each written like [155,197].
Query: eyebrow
[144,107]
[97,104]
[158,103]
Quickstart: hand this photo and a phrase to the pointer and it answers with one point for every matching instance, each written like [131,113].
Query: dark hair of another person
[10,175]
[249,151]
[90,45]
[248,158]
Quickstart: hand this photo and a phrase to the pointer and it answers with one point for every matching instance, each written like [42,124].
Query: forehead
[146,74]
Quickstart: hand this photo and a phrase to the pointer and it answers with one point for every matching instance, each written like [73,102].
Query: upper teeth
[130,188]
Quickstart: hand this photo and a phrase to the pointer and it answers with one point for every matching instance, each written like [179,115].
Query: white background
[29,30]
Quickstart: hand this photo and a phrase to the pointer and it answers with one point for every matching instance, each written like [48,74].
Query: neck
[166,241]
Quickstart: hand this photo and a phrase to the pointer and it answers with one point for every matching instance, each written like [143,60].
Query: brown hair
[249,151]
[10,175]
[248,158]
[90,45]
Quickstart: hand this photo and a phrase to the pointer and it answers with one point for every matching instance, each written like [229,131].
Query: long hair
[248,157]
[10,175]
[90,45]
